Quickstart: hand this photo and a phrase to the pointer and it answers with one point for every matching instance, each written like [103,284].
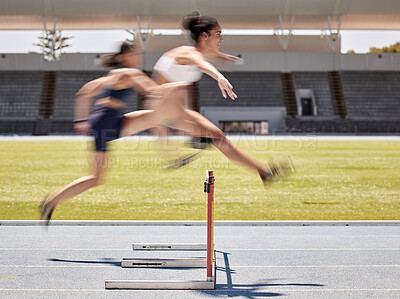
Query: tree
[395,48]
[51,44]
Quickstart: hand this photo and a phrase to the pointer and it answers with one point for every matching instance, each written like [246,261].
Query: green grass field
[335,180]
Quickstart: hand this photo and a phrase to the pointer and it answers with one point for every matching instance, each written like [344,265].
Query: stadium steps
[338,102]
[46,105]
[319,84]
[289,94]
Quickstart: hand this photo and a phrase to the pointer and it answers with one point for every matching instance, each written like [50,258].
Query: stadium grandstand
[288,83]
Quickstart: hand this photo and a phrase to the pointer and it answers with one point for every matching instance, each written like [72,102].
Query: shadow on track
[247,290]
[104,261]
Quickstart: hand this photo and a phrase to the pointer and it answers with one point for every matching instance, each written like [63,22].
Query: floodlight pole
[333,36]
[284,38]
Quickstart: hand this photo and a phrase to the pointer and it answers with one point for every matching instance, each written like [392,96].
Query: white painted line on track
[269,237]
[317,266]
[65,249]
[271,288]
[295,223]
[236,289]
[60,266]
[53,290]
[310,249]
[217,249]
[230,266]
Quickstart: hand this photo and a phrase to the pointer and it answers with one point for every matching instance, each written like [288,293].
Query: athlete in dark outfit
[107,122]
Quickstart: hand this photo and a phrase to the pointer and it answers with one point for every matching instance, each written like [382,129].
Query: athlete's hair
[112,60]
[196,24]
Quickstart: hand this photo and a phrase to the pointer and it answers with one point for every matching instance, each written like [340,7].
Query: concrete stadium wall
[274,115]
[253,61]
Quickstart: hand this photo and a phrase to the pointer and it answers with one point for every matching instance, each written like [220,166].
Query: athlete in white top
[167,67]
[187,63]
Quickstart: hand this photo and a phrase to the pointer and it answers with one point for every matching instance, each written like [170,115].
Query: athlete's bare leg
[170,112]
[78,186]
[196,125]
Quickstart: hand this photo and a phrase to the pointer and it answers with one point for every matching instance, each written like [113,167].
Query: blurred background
[310,66]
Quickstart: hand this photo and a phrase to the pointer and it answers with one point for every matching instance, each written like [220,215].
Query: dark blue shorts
[106,125]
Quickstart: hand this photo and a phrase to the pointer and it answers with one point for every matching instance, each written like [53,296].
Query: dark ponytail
[196,24]
[112,60]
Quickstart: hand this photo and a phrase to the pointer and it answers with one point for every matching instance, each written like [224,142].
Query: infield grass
[334,180]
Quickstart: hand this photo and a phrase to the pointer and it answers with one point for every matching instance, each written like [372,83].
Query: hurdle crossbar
[208,284]
[170,246]
[164,263]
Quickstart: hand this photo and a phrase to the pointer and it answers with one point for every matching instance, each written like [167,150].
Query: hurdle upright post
[209,189]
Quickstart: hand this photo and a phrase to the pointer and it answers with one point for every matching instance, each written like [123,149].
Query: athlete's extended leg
[78,186]
[197,125]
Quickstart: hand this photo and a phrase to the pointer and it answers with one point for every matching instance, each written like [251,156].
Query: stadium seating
[252,88]
[19,100]
[373,94]
[372,100]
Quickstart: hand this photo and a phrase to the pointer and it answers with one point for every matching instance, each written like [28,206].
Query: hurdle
[208,262]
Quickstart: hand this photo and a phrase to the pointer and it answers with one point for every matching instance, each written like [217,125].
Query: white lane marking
[318,266]
[230,266]
[309,249]
[65,249]
[59,266]
[241,289]
[218,249]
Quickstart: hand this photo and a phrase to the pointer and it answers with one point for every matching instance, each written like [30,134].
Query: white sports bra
[175,72]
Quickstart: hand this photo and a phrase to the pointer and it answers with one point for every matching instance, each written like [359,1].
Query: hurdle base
[160,285]
[170,246]
[164,263]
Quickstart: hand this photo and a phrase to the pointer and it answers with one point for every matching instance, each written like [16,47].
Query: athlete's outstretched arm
[224,85]
[116,79]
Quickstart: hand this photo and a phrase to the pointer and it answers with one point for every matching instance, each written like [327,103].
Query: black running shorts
[106,125]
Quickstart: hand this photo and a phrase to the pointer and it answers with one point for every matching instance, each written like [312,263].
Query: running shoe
[277,170]
[45,211]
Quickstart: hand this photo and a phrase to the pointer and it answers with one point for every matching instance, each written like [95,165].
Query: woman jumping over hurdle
[187,64]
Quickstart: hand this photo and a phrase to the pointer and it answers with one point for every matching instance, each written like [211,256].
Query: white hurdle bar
[164,263]
[208,284]
[170,246]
